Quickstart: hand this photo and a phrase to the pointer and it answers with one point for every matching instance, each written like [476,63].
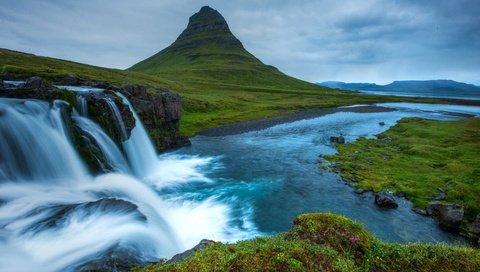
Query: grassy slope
[422,156]
[207,102]
[326,242]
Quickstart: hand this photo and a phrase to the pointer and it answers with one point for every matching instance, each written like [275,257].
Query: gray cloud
[369,41]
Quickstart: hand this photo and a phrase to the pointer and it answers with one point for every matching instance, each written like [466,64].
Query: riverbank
[432,163]
[325,242]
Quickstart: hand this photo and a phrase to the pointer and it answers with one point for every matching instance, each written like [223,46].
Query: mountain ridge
[405,85]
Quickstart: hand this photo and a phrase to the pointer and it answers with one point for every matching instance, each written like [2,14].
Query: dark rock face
[33,88]
[160,111]
[475,225]
[385,200]
[450,216]
[401,194]
[338,140]
[184,255]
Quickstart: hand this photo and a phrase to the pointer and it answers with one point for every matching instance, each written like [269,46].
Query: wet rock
[338,140]
[475,225]
[184,255]
[359,191]
[423,212]
[450,216]
[385,200]
[381,123]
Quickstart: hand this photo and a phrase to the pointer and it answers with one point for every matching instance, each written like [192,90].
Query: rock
[184,255]
[1,84]
[359,191]
[433,207]
[160,111]
[381,123]
[35,83]
[450,216]
[338,140]
[475,225]
[423,212]
[385,200]
[401,194]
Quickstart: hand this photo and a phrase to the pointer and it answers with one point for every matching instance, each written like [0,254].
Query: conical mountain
[207,51]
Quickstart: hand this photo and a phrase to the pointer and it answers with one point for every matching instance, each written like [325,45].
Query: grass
[211,98]
[325,242]
[423,155]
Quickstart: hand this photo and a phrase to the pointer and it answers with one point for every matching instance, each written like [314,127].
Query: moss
[316,243]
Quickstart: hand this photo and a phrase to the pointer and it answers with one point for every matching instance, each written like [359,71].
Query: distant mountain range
[410,86]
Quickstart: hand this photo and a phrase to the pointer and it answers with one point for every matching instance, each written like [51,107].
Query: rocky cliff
[159,110]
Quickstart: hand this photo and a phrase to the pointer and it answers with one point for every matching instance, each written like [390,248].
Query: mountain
[207,51]
[440,85]
[347,86]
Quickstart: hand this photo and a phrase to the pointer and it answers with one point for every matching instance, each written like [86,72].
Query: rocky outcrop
[450,216]
[184,255]
[385,200]
[160,111]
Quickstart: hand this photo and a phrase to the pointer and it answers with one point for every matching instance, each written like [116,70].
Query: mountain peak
[207,20]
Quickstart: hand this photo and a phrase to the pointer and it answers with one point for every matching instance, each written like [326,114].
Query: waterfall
[82,105]
[55,216]
[139,148]
[118,117]
[108,148]
[47,225]
[33,143]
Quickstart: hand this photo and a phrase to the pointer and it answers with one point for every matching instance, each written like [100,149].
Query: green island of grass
[325,242]
[420,157]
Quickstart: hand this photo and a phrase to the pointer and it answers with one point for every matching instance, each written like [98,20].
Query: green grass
[211,97]
[323,242]
[422,156]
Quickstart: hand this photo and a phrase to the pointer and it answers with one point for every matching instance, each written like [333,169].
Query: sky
[316,40]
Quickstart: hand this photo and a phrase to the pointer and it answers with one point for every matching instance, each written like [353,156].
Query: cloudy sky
[353,41]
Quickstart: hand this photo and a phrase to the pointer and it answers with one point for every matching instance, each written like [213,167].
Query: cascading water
[54,216]
[82,105]
[139,148]
[33,143]
[108,148]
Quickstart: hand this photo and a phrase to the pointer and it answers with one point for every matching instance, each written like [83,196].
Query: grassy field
[423,155]
[325,242]
[207,103]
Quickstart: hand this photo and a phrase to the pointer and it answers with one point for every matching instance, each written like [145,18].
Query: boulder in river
[381,123]
[385,200]
[35,83]
[450,216]
[184,255]
[419,211]
[338,140]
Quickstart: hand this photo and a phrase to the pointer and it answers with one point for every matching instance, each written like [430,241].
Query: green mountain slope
[207,51]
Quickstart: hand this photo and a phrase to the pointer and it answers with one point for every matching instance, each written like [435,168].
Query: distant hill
[347,86]
[207,51]
[440,85]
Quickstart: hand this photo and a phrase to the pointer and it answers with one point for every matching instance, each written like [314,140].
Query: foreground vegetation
[420,157]
[325,242]
[208,101]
